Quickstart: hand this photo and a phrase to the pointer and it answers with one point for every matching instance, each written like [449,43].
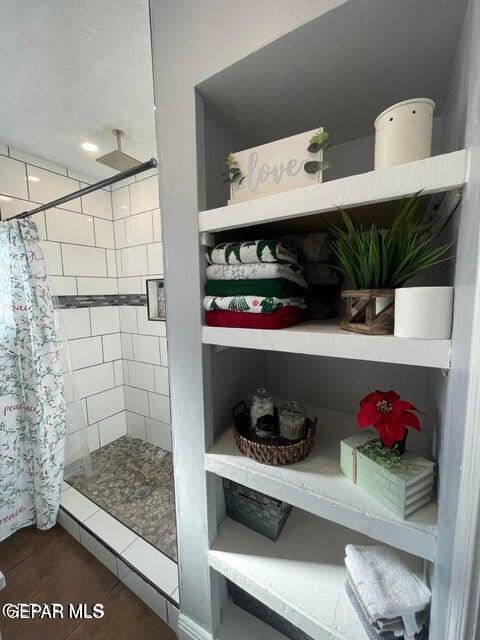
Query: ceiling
[71,71]
[340,71]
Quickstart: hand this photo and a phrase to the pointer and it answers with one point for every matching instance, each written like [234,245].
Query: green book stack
[403,488]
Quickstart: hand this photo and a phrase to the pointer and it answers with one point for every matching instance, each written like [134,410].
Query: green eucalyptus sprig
[233,173]
[377,259]
[385,457]
[318,142]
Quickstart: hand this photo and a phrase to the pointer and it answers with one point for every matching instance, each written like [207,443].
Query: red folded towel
[284,317]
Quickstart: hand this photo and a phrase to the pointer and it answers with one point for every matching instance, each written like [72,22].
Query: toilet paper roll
[424,313]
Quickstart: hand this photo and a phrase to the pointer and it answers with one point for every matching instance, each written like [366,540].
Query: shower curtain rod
[150,164]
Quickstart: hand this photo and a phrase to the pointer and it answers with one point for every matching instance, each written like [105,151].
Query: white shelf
[318,486]
[319,339]
[433,175]
[237,624]
[301,575]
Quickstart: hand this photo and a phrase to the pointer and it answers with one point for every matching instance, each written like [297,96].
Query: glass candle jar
[265,428]
[292,418]
[262,410]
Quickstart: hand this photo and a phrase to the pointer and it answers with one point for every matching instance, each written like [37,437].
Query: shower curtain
[32,404]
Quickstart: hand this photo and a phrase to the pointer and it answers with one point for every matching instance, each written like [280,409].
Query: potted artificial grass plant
[377,261]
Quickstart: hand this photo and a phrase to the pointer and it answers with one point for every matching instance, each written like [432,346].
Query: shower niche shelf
[155,299]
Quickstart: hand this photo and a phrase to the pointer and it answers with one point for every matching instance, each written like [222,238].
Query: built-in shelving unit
[358,192]
[266,85]
[320,339]
[331,511]
[301,575]
[237,624]
[433,175]
[318,486]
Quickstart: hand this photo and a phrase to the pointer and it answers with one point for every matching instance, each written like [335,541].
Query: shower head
[117,159]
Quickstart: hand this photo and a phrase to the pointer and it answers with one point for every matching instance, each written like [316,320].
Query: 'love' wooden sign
[275,167]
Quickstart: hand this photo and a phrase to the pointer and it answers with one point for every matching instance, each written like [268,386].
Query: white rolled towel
[387,587]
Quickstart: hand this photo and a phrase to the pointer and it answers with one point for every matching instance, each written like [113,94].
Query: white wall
[139,253]
[89,246]
[461,128]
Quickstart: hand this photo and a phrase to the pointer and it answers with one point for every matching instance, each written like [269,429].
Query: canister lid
[401,104]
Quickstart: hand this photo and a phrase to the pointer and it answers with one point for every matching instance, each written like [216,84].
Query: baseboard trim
[190,630]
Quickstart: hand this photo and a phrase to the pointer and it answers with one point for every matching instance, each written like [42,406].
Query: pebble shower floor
[133,481]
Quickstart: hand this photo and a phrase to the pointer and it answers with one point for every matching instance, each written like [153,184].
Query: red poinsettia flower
[388,414]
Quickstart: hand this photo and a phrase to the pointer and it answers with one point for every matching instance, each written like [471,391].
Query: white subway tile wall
[83,261]
[138,229]
[94,379]
[136,425]
[86,352]
[111,263]
[13,178]
[129,285]
[112,347]
[44,186]
[97,286]
[98,204]
[76,237]
[104,233]
[144,195]
[155,258]
[138,234]
[63,226]
[105,320]
[146,349]
[145,376]
[53,257]
[112,428]
[107,242]
[105,405]
[134,261]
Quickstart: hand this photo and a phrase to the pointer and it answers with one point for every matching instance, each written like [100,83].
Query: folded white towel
[256,271]
[382,625]
[386,585]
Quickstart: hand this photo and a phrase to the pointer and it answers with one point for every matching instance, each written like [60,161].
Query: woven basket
[277,454]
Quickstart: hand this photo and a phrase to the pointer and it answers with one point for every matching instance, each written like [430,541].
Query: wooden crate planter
[369,311]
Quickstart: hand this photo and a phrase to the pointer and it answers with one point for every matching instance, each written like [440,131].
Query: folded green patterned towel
[250,252]
[250,304]
[268,287]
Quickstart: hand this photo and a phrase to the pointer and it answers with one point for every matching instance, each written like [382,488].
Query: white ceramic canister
[424,312]
[403,132]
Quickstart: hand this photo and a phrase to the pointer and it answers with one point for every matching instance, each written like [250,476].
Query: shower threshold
[133,481]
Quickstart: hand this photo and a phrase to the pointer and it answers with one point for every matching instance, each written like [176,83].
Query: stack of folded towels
[315,256]
[389,598]
[255,284]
